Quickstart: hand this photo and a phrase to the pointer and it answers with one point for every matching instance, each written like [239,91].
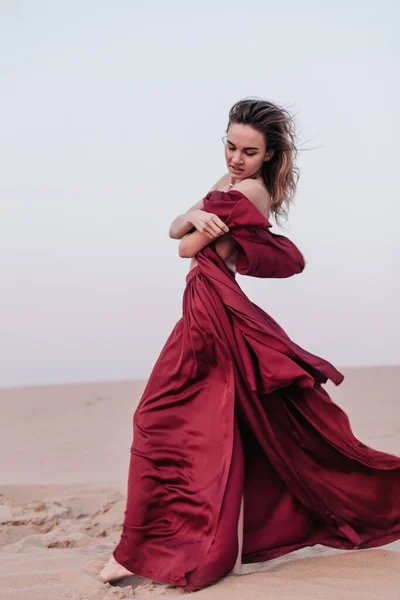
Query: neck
[233,181]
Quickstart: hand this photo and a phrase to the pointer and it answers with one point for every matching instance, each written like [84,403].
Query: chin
[239,174]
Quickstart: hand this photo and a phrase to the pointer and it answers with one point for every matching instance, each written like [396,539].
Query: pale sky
[111,116]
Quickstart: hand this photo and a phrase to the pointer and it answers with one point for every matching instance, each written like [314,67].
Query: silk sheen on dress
[233,406]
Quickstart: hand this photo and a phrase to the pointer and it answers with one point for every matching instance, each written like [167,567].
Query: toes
[94,567]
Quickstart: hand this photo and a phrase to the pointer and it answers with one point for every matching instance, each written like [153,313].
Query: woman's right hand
[207,223]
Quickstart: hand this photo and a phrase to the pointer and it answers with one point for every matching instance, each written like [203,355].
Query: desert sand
[64,452]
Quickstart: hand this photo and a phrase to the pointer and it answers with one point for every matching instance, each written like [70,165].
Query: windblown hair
[280,173]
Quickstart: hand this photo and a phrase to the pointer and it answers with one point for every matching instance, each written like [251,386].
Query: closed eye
[232,148]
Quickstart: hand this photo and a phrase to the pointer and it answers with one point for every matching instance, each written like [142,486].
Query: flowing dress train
[234,407]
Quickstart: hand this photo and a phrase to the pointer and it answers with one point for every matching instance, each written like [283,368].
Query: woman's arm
[183,223]
[192,243]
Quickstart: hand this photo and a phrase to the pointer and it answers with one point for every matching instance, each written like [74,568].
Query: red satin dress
[233,406]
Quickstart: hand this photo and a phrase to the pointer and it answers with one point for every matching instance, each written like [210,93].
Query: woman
[238,452]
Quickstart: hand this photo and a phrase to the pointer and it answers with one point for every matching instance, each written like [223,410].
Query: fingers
[211,225]
[220,223]
[224,228]
[213,232]
[214,226]
[215,229]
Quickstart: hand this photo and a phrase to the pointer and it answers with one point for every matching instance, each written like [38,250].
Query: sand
[64,452]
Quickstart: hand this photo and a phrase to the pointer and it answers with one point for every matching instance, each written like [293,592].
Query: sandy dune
[64,456]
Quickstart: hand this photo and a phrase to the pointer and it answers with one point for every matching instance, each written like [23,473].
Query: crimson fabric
[234,407]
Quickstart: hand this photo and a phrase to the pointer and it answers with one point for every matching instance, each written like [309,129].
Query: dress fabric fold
[234,407]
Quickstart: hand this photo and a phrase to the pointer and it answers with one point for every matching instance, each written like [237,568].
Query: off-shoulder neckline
[239,193]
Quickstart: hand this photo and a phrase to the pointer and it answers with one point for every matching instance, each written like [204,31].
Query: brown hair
[280,173]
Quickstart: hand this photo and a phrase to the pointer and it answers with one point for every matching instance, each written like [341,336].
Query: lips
[236,170]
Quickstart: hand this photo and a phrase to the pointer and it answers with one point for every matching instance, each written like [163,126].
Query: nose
[237,158]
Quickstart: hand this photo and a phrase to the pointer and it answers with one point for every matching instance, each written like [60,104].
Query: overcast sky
[111,116]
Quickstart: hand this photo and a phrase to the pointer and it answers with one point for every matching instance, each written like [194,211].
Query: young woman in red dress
[238,454]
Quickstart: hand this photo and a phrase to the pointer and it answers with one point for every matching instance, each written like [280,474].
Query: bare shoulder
[256,192]
[221,183]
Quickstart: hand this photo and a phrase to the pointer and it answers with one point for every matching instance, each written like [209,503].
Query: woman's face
[245,150]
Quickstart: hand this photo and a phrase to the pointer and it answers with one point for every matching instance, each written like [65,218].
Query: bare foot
[113,570]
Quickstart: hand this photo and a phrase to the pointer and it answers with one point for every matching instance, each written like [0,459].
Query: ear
[268,155]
